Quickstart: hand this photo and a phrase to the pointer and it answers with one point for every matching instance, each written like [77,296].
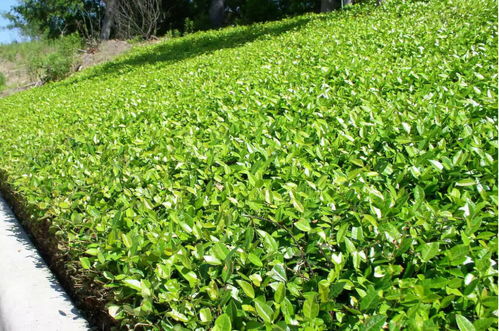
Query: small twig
[32,84]
[142,324]
[294,271]
[282,226]
[324,254]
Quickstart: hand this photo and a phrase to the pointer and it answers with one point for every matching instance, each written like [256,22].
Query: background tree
[175,15]
[137,18]
[217,11]
[111,7]
[329,5]
[53,18]
[260,10]
[297,7]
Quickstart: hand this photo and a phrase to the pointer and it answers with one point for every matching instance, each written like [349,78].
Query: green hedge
[330,171]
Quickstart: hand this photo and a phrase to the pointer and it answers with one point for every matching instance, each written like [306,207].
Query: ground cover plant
[330,171]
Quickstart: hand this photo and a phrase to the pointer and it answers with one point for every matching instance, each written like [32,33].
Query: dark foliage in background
[55,18]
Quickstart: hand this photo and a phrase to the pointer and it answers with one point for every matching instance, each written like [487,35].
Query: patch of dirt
[17,77]
[105,52]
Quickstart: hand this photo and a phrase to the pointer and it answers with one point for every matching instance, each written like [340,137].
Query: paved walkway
[30,296]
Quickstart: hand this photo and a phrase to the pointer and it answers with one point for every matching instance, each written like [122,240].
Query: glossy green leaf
[205,315]
[464,324]
[429,251]
[255,260]
[370,300]
[279,273]
[280,292]
[374,323]
[303,225]
[177,316]
[247,288]
[310,306]
[263,310]
[223,323]
[85,262]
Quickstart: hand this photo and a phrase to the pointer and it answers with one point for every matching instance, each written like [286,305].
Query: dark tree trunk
[329,5]
[217,9]
[108,21]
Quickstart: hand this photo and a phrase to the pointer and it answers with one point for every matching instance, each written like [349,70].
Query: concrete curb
[30,296]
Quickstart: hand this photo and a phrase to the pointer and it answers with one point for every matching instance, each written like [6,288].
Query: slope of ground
[323,172]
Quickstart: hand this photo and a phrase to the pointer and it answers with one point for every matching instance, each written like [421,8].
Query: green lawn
[330,171]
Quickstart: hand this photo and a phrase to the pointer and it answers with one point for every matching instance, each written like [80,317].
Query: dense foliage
[55,18]
[291,175]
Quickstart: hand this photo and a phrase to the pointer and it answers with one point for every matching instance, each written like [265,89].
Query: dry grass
[15,68]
